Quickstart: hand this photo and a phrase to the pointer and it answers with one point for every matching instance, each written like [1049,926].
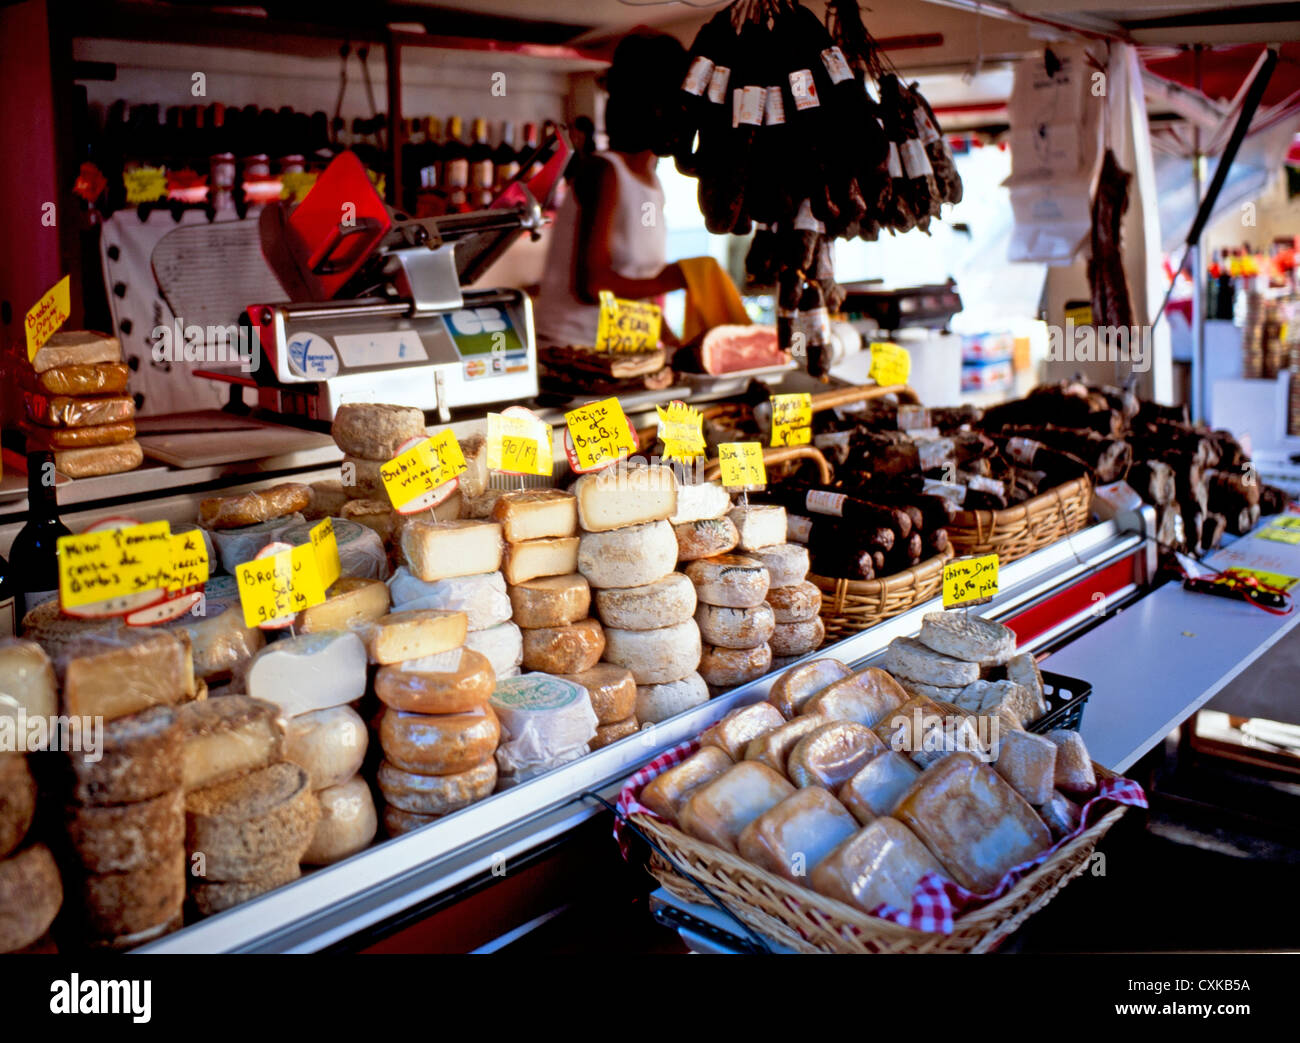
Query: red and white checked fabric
[937,901]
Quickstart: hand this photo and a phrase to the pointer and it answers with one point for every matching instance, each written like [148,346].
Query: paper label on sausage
[925,127]
[736,95]
[934,454]
[948,490]
[752,101]
[895,164]
[804,90]
[697,76]
[774,112]
[1022,450]
[825,503]
[912,418]
[718,79]
[836,67]
[983,485]
[915,161]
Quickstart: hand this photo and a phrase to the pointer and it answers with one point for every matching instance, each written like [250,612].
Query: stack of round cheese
[545,722]
[796,604]
[628,552]
[612,692]
[437,731]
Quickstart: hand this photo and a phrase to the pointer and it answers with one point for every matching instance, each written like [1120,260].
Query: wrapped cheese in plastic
[545,721]
[68,411]
[482,598]
[361,551]
[220,641]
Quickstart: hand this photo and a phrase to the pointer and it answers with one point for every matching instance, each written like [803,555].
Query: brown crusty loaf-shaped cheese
[879,865]
[773,747]
[120,837]
[100,378]
[375,431]
[251,508]
[18,800]
[719,810]
[93,460]
[1028,762]
[30,895]
[141,758]
[667,792]
[800,683]
[878,786]
[791,838]
[1074,771]
[740,727]
[114,904]
[241,825]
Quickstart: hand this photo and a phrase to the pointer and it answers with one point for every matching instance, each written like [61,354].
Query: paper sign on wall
[970,581]
[741,464]
[110,564]
[627,326]
[600,434]
[47,315]
[890,364]
[791,420]
[414,479]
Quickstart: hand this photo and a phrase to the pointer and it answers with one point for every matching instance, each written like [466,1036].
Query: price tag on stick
[423,474]
[47,315]
[189,562]
[600,434]
[680,430]
[278,584]
[791,420]
[741,464]
[519,443]
[117,570]
[327,552]
[970,581]
[890,364]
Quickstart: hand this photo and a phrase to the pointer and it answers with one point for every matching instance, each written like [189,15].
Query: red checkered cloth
[937,901]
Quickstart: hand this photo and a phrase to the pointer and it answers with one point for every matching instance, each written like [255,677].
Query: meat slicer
[378,309]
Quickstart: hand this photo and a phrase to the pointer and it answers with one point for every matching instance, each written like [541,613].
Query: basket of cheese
[904,809]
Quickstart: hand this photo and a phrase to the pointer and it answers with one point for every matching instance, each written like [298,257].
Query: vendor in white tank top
[609,234]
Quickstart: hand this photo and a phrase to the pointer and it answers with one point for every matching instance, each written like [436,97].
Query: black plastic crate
[1065,697]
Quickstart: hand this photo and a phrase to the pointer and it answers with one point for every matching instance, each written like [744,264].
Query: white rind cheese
[503,645]
[533,559]
[628,557]
[796,639]
[620,496]
[658,702]
[735,627]
[663,603]
[700,501]
[445,550]
[236,546]
[733,580]
[705,539]
[759,525]
[348,823]
[482,598]
[361,551]
[655,656]
[544,721]
[786,563]
[309,672]
[795,604]
[329,745]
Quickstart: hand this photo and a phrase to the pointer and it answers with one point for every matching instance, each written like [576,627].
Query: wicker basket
[852,605]
[807,922]
[1024,528]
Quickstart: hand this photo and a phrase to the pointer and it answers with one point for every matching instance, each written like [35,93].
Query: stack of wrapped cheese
[240,526]
[437,731]
[78,406]
[628,553]
[545,722]
[796,603]
[30,889]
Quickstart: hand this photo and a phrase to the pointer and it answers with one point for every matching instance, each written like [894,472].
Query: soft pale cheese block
[350,602]
[719,810]
[879,865]
[655,656]
[451,682]
[436,794]
[556,556]
[329,745]
[545,721]
[729,667]
[786,563]
[444,550]
[878,787]
[482,598]
[413,633]
[663,603]
[309,672]
[735,731]
[667,791]
[759,525]
[503,645]
[228,736]
[439,744]
[508,779]
[348,823]
[112,675]
[628,557]
[971,638]
[569,649]
[551,601]
[658,702]
[907,657]
[733,580]
[735,627]
[27,680]
[534,514]
[139,758]
[800,683]
[791,838]
[621,496]
[700,501]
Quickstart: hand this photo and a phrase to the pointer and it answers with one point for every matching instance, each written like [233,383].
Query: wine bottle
[480,167]
[8,602]
[34,554]
[455,165]
[505,159]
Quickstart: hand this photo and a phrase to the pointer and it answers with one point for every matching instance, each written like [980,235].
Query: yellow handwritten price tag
[970,581]
[681,431]
[273,589]
[144,185]
[742,464]
[518,444]
[600,434]
[791,420]
[1280,534]
[189,562]
[111,564]
[890,364]
[327,552]
[627,326]
[414,479]
[47,315]
[1285,521]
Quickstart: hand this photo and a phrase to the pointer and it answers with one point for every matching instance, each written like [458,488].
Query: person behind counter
[609,233]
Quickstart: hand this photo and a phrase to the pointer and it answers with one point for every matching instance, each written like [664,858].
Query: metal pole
[1198,265]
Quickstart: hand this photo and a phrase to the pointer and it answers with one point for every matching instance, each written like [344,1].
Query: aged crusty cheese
[503,645]
[439,744]
[557,556]
[452,682]
[1062,815]
[112,675]
[1023,670]
[877,866]
[663,603]
[971,638]
[474,479]
[569,649]
[786,563]
[991,697]
[878,786]
[719,810]
[550,601]
[535,514]
[375,430]
[791,838]
[865,697]
[329,745]
[628,557]
[351,602]
[706,538]
[376,515]
[620,496]
[398,822]
[242,824]
[348,823]
[1074,770]
[773,747]
[700,501]
[759,525]
[658,702]
[482,598]
[309,672]
[117,838]
[479,507]
[906,657]
[412,633]
[734,627]
[140,757]
[1028,762]
[798,603]
[735,731]
[607,734]
[666,792]
[227,737]
[831,755]
[655,656]
[216,896]
[18,800]
[220,643]
[799,684]
[732,580]
[611,689]
[443,550]
[236,546]
[30,896]
[794,639]
[939,693]
[327,499]
[116,904]
[729,667]
[545,721]
[436,794]
[27,680]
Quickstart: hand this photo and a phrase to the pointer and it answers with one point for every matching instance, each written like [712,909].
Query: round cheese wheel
[628,557]
[791,639]
[729,667]
[733,580]
[611,733]
[482,597]
[375,430]
[796,603]
[439,744]
[655,656]
[735,627]
[436,794]
[30,895]
[550,601]
[658,702]
[329,745]
[113,904]
[569,649]
[503,645]
[786,563]
[706,538]
[212,897]
[17,800]
[611,689]
[126,942]
[347,823]
[122,837]
[451,682]
[544,720]
[663,603]
[398,822]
